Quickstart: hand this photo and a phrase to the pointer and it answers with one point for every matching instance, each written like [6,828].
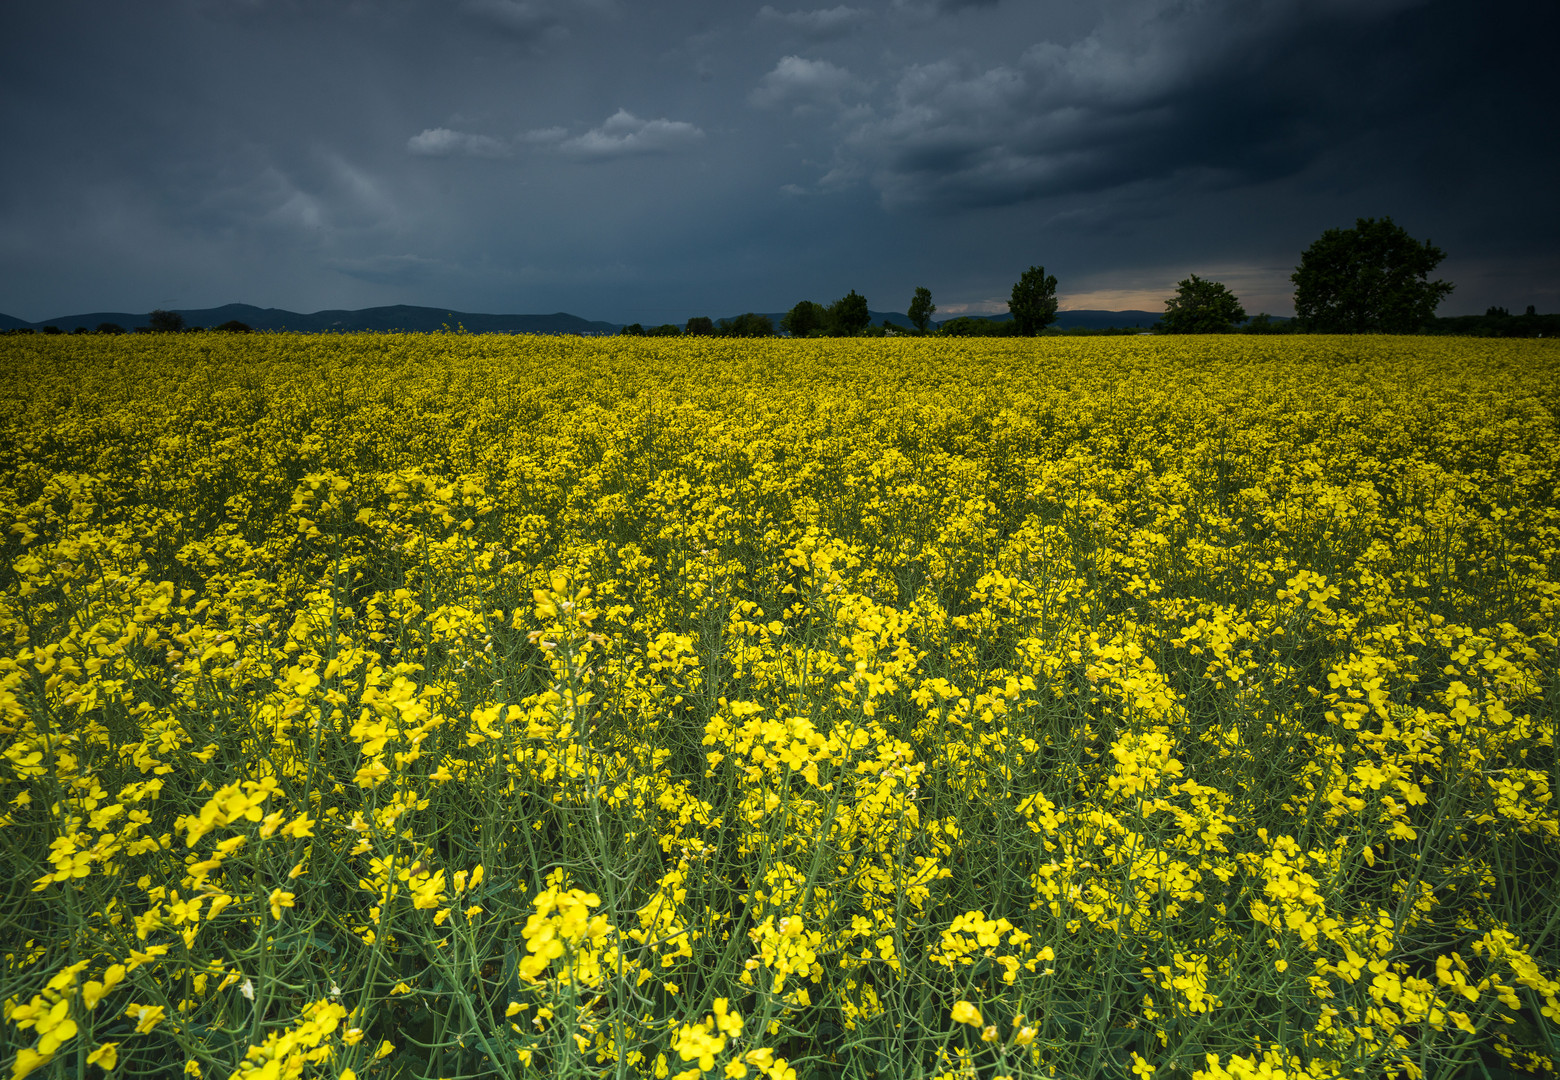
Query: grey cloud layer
[639,161]
[801,83]
[519,18]
[819,24]
[442,142]
[622,135]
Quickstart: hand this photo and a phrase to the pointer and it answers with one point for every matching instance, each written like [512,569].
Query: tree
[803,319]
[748,324]
[109,328]
[700,326]
[1033,302]
[1200,306]
[965,326]
[969,326]
[165,322]
[233,326]
[1264,324]
[921,307]
[633,329]
[1368,279]
[848,316]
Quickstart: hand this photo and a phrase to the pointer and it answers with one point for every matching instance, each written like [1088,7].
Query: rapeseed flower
[705,700]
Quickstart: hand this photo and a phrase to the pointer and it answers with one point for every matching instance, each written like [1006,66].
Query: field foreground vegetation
[450,706]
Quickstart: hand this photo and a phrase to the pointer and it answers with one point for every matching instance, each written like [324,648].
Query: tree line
[1373,278]
[845,317]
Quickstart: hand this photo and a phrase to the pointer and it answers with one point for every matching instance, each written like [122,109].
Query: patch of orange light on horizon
[1114,300]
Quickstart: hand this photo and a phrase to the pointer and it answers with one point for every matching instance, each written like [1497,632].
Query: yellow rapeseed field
[455,706]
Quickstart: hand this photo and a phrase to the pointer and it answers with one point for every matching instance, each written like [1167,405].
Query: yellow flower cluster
[563,928]
[379,705]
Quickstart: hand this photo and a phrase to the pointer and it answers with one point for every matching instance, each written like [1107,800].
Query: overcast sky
[652,161]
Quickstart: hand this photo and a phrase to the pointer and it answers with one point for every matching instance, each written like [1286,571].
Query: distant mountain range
[399,317]
[425,319]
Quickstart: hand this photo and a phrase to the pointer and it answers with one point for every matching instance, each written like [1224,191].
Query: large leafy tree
[748,324]
[803,319]
[1033,302]
[848,316]
[1200,306]
[1371,278]
[921,307]
[165,322]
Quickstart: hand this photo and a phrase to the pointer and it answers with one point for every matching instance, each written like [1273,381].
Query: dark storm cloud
[648,162]
[1158,89]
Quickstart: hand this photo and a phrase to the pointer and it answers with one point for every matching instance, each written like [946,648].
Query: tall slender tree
[1033,302]
[921,307]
